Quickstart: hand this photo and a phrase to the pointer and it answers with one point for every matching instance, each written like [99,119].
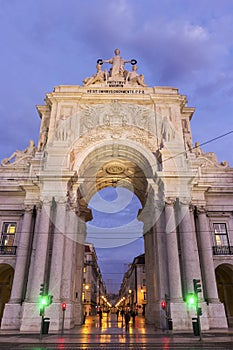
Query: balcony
[223,250]
[7,250]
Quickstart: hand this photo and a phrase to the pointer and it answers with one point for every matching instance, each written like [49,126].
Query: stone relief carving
[63,129]
[109,115]
[21,157]
[107,133]
[116,114]
[168,132]
[43,138]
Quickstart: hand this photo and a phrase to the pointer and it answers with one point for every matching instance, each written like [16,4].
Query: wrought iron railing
[7,250]
[223,250]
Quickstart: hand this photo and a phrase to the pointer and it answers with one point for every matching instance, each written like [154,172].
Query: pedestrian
[122,316]
[100,316]
[117,313]
[84,317]
[127,319]
[133,314]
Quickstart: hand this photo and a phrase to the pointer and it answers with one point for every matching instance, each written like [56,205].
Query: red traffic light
[163,304]
[63,305]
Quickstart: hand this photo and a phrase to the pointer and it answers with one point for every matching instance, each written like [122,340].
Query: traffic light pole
[199,324]
[197,289]
[41,326]
[63,321]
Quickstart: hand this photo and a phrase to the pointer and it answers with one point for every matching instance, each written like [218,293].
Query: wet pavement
[111,334]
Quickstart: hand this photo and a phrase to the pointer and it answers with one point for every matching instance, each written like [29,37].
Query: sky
[185,44]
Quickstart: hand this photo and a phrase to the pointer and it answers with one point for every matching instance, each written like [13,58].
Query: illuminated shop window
[220,235]
[8,234]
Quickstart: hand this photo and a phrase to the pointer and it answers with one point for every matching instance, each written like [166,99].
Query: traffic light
[50,299]
[199,311]
[42,310]
[163,304]
[63,305]
[197,286]
[191,299]
[43,304]
[42,289]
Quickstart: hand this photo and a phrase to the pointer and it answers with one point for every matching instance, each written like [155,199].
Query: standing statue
[117,70]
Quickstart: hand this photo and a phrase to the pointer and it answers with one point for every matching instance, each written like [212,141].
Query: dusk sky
[187,44]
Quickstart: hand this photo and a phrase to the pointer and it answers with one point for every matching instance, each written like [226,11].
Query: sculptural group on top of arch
[117,72]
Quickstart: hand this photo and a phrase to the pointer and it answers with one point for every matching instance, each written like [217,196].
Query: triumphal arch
[115,130]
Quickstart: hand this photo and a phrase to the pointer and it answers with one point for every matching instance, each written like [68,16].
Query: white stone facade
[107,133]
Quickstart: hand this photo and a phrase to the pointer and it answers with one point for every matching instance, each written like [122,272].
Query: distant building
[93,285]
[133,288]
[114,130]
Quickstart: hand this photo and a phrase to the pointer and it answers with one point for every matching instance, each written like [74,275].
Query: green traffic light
[191,299]
[44,300]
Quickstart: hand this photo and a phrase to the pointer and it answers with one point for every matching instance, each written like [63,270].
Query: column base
[179,316]
[12,316]
[217,315]
[150,313]
[31,319]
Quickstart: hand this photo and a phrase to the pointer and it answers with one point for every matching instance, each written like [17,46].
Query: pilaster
[12,311]
[216,311]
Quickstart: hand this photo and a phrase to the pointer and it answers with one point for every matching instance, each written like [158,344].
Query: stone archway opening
[120,170]
[224,278]
[115,231]
[6,280]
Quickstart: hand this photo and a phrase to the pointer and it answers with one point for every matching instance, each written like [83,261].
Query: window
[8,234]
[220,235]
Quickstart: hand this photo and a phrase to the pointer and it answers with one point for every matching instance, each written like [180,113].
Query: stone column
[57,250]
[216,312]
[147,216]
[41,250]
[210,286]
[79,254]
[54,311]
[22,256]
[162,286]
[177,306]
[30,316]
[11,317]
[189,251]
[150,276]
[172,252]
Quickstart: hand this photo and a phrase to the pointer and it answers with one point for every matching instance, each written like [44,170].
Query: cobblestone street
[112,335]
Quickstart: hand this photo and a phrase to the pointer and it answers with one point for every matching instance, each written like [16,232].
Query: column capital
[46,200]
[185,201]
[170,201]
[61,200]
[201,210]
[28,208]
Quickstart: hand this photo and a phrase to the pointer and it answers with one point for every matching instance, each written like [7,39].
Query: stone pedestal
[217,316]
[179,316]
[12,316]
